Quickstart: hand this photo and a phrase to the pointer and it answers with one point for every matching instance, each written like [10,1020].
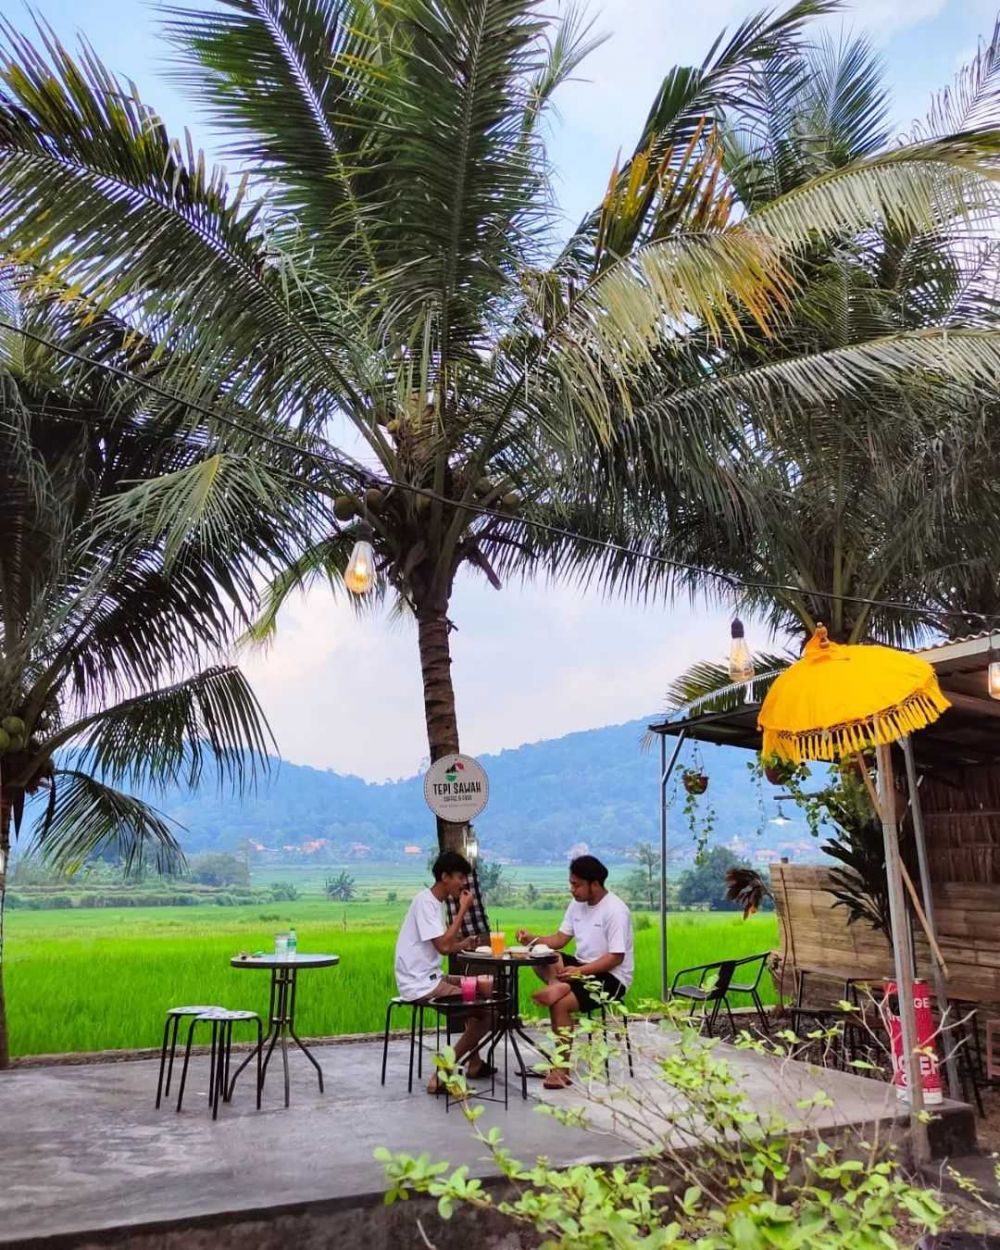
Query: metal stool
[416,1023]
[222,1021]
[499,1008]
[622,1017]
[169,1047]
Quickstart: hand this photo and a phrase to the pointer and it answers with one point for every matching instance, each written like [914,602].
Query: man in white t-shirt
[423,941]
[604,961]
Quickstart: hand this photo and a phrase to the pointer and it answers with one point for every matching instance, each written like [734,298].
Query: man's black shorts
[610,986]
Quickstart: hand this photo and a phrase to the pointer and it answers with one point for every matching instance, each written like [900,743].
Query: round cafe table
[505,968]
[284,971]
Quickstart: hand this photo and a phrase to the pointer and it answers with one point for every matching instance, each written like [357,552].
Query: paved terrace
[86,1160]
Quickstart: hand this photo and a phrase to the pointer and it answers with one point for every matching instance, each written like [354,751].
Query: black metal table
[506,968]
[284,971]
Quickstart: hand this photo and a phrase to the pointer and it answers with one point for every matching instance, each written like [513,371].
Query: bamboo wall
[814,933]
[962,820]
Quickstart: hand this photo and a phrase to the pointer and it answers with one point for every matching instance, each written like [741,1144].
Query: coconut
[13,724]
[4,740]
[483,487]
[393,426]
[374,498]
[16,742]
[511,501]
[344,507]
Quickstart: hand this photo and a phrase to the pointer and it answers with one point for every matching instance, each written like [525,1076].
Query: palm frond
[973,101]
[747,888]
[707,687]
[166,736]
[87,818]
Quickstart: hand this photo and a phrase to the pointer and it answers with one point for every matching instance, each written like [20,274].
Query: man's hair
[589,868]
[449,862]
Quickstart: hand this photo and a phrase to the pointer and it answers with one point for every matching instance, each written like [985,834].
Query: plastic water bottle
[293,944]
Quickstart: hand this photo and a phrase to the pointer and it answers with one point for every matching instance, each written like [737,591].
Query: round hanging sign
[456,788]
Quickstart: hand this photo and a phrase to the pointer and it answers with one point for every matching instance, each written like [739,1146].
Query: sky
[539,661]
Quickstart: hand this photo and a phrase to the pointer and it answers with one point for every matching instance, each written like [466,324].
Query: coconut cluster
[13,734]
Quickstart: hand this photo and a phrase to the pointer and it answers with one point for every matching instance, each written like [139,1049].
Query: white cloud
[529,663]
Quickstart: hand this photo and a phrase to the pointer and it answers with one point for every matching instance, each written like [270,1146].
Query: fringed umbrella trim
[834,741]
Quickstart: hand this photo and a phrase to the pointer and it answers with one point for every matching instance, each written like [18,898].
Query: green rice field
[101,979]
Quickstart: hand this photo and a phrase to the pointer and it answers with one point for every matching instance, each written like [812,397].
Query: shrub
[718,1174]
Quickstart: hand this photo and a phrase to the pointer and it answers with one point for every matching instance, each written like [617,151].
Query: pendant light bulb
[740,660]
[359,576]
[994,679]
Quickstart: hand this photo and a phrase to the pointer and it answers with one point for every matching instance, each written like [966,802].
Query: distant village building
[411,850]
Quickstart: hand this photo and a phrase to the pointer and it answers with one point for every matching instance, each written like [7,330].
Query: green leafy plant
[718,1174]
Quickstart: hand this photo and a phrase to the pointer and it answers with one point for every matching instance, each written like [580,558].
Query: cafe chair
[620,1019]
[169,1048]
[222,1021]
[416,1036]
[710,996]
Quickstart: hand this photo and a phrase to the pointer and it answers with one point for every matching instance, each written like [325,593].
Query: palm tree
[384,277]
[881,495]
[108,620]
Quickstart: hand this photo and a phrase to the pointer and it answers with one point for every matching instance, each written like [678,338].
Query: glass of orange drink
[497,944]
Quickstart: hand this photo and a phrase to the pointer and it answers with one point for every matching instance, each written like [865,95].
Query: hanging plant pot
[694,782]
[778,771]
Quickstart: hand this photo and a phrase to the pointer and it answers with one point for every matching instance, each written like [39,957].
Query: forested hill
[597,787]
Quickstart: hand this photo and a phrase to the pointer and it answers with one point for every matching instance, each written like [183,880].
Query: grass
[101,979]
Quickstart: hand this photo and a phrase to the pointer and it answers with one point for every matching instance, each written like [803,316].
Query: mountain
[598,787]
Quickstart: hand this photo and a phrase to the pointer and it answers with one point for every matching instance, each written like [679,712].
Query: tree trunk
[439,703]
[4,857]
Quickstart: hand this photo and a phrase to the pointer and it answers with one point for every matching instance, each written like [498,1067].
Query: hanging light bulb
[740,660]
[994,679]
[471,846]
[359,576]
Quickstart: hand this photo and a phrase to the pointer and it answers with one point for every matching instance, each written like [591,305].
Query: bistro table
[505,968]
[284,971]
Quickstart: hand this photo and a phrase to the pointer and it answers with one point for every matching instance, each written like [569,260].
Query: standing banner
[930,1075]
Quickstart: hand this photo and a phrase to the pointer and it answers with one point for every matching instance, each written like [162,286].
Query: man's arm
[604,963]
[556,940]
[449,943]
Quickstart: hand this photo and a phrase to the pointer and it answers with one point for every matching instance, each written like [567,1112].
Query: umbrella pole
[901,954]
[937,963]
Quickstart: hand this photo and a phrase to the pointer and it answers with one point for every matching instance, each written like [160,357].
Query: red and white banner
[930,1076]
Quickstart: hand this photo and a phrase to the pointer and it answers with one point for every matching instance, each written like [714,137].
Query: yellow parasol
[839,700]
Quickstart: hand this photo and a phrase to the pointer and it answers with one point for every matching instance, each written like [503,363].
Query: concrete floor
[82,1148]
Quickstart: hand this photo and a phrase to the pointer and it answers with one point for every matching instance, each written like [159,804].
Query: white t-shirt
[604,929]
[418,962]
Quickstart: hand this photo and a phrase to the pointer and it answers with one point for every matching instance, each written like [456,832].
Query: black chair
[416,1026]
[719,976]
[751,986]
[169,1048]
[963,1036]
[621,1018]
[451,1009]
[222,1022]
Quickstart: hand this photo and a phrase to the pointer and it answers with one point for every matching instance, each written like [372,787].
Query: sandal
[483,1072]
[560,1082]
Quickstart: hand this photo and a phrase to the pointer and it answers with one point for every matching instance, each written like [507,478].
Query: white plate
[483,950]
[541,949]
[518,950]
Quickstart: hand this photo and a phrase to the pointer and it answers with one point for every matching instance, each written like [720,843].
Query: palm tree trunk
[439,702]
[4,857]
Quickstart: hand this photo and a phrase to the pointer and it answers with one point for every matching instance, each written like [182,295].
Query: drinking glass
[497,944]
[468,989]
[281,945]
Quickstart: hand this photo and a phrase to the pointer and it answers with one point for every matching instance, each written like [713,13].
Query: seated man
[602,926]
[424,939]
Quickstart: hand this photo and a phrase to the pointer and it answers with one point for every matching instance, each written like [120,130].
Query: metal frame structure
[965,735]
